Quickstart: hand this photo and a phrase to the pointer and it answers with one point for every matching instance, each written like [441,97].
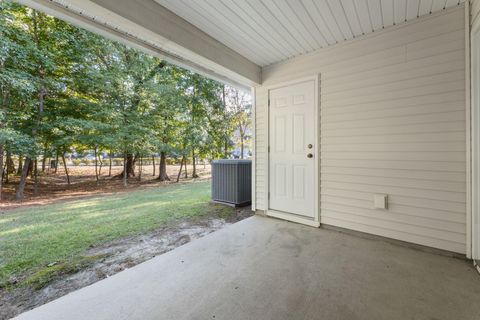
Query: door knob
[309,155]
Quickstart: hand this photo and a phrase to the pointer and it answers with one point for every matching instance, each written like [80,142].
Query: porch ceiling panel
[269,31]
[152,28]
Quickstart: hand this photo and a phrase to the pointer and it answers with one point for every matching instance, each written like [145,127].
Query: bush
[87,162]
[76,162]
[171,161]
[117,162]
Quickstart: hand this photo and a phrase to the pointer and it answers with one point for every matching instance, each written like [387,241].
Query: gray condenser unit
[232,182]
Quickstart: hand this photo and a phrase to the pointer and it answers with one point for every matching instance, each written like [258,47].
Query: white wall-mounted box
[380,201]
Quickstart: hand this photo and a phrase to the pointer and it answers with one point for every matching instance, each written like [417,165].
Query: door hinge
[269,195]
[269,149]
[269,102]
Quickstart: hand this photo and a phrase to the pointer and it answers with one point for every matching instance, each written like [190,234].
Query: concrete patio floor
[262,268]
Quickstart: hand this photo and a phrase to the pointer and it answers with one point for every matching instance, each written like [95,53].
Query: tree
[239,106]
[64,90]
[23,33]
[167,107]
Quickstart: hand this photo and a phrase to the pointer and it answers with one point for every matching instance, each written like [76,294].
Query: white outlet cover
[380,201]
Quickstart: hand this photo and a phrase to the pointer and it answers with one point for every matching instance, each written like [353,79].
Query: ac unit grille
[232,181]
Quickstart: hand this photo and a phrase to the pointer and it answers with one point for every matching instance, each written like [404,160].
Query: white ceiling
[269,31]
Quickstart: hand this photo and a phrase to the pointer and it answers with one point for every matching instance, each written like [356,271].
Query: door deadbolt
[309,155]
[310,146]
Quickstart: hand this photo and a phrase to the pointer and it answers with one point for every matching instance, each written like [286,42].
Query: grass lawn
[39,243]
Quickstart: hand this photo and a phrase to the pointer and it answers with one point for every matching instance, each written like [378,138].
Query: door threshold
[293,218]
[476,264]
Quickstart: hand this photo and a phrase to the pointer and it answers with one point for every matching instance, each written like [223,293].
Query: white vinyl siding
[261,145]
[393,122]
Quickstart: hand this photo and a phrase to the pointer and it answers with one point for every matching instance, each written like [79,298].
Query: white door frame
[315,222]
[474,135]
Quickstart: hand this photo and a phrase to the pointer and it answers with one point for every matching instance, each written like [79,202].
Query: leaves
[64,89]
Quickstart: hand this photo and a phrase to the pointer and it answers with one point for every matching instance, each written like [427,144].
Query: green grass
[39,243]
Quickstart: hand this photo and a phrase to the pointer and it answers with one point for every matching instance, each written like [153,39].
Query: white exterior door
[292,171]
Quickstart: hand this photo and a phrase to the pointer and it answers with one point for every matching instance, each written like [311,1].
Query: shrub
[171,161]
[76,162]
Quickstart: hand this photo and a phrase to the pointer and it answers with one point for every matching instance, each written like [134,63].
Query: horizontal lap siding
[392,121]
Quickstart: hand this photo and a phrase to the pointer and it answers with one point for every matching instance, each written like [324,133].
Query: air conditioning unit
[232,182]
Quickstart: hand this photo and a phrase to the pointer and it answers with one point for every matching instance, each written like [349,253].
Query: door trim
[315,222]
[473,130]
[293,218]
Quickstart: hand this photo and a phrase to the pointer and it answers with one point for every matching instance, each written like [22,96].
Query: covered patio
[263,268]
[364,114]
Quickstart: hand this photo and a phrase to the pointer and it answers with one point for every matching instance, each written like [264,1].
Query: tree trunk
[242,146]
[10,164]
[185,161]
[194,173]
[131,159]
[101,165]
[110,165]
[153,165]
[140,169]
[44,160]
[56,162]
[96,166]
[129,166]
[163,176]
[1,169]
[30,169]
[180,171]
[3,175]
[35,173]
[10,167]
[65,167]
[19,194]
[20,165]
[125,157]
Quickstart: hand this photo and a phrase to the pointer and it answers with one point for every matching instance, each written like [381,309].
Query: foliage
[65,90]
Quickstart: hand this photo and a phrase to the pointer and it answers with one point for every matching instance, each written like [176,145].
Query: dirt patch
[114,257]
